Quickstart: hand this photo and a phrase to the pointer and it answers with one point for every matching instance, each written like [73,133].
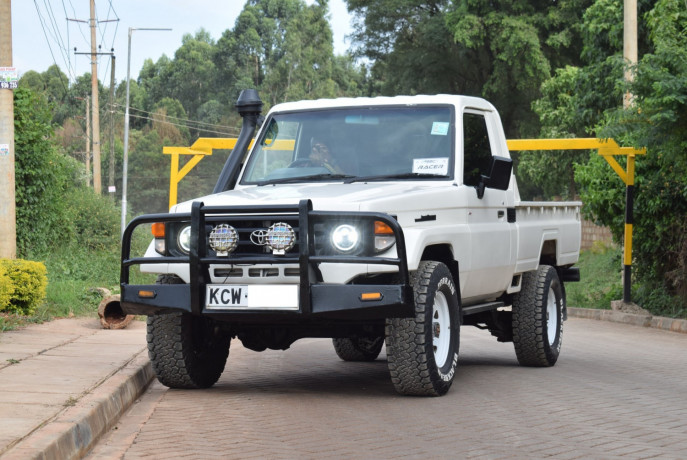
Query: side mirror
[499,175]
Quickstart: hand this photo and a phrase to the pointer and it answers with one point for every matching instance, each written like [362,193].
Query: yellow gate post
[201,148]
[608,149]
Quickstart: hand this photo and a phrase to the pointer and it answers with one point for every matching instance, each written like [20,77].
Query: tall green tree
[657,120]
[411,47]
[284,49]
[43,174]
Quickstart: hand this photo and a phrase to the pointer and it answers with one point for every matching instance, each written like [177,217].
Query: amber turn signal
[158,230]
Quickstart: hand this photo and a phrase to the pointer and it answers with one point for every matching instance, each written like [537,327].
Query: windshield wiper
[312,177]
[396,176]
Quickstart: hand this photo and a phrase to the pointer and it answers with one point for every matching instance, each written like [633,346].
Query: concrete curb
[74,432]
[657,322]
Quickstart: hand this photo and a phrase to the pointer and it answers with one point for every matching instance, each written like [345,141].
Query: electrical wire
[40,18]
[186,120]
[182,126]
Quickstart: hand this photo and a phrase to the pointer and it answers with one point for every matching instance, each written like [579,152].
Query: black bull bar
[316,299]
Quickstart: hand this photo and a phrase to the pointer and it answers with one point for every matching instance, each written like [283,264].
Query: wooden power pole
[629,44]
[111,179]
[8,210]
[88,141]
[95,126]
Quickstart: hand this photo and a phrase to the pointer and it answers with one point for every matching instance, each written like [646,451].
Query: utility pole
[110,182]
[630,58]
[96,107]
[8,210]
[629,44]
[88,141]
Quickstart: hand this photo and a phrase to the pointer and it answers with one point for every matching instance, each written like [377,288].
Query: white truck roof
[458,101]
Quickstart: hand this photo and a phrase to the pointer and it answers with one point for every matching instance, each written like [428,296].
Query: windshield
[349,145]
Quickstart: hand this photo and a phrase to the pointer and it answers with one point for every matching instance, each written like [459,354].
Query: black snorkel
[249,107]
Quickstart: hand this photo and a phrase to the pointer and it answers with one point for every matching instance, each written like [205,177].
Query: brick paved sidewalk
[66,382]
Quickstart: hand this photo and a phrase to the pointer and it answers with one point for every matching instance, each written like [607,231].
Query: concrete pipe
[111,314]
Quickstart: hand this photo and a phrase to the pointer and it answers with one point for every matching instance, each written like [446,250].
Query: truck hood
[324,196]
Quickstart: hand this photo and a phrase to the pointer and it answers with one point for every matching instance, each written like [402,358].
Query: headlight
[184,239]
[345,238]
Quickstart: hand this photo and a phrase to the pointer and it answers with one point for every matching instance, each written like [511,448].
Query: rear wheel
[538,318]
[422,351]
[358,349]
[186,351]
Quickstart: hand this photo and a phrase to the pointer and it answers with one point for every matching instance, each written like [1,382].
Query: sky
[33,20]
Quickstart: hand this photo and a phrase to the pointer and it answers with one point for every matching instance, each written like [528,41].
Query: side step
[472,309]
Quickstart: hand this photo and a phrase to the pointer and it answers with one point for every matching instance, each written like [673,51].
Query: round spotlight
[280,237]
[345,238]
[223,239]
[184,239]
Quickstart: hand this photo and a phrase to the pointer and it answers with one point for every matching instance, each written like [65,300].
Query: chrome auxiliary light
[223,239]
[279,237]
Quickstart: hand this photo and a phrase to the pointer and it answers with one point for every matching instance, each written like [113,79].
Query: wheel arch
[443,253]
[549,252]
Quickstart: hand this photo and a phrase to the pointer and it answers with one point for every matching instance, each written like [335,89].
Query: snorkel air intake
[249,107]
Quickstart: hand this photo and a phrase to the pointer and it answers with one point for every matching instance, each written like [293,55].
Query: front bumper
[316,299]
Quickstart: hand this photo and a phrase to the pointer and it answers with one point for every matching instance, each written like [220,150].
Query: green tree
[281,47]
[411,47]
[658,120]
[43,175]
[190,76]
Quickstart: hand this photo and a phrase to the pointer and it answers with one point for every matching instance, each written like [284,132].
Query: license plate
[226,296]
[250,297]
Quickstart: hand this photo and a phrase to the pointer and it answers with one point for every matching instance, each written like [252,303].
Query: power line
[180,125]
[187,120]
[40,18]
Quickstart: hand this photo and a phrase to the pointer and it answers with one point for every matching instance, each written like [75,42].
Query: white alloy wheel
[422,351]
[551,317]
[441,329]
[538,318]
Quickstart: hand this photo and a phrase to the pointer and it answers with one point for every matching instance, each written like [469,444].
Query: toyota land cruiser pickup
[377,222]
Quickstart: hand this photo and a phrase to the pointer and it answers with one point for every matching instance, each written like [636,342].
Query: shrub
[29,281]
[6,289]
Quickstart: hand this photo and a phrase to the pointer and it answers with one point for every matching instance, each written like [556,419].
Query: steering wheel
[303,163]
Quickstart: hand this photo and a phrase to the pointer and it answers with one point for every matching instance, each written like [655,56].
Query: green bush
[29,281]
[6,289]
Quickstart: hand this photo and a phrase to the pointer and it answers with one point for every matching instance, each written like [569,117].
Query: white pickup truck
[372,221]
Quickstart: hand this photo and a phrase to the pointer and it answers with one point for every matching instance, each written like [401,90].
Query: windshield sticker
[440,128]
[438,166]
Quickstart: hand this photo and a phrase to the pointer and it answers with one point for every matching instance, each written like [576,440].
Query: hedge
[22,285]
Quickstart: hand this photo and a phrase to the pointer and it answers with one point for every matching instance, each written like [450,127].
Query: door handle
[500,214]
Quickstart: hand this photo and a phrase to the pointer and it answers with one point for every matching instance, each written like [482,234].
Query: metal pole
[629,221]
[125,162]
[110,170]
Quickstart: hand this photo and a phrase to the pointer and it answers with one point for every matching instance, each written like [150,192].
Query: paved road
[617,391]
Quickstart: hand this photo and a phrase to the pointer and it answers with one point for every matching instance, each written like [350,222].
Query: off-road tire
[538,318]
[186,351]
[358,349]
[422,352]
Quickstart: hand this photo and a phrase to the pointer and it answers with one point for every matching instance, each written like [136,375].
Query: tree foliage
[553,68]
[587,101]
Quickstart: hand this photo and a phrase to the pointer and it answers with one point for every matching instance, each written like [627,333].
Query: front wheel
[422,351]
[186,351]
[538,318]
